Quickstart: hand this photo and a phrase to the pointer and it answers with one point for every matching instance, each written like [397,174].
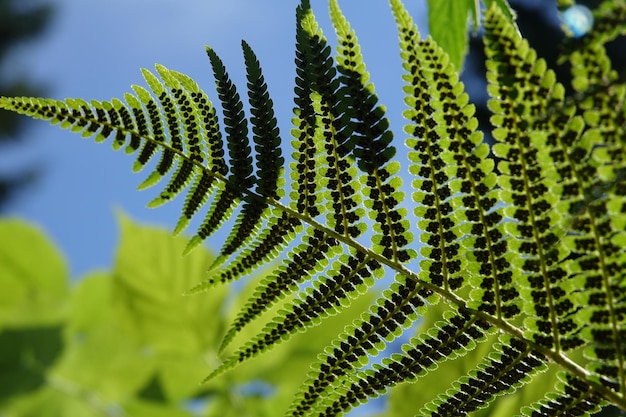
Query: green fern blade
[140,122]
[170,125]
[181,178]
[203,186]
[396,310]
[101,128]
[222,208]
[279,231]
[266,134]
[266,137]
[342,187]
[592,236]
[248,226]
[73,114]
[210,148]
[573,398]
[391,231]
[236,127]
[526,178]
[189,139]
[372,138]
[588,256]
[305,173]
[372,144]
[350,276]
[156,128]
[82,112]
[50,110]
[447,340]
[328,137]
[121,110]
[447,158]
[88,112]
[314,73]
[304,261]
[165,130]
[190,108]
[510,366]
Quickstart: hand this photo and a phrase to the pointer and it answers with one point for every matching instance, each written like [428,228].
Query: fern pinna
[521,244]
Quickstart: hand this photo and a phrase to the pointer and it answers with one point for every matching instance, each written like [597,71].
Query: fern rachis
[527,252]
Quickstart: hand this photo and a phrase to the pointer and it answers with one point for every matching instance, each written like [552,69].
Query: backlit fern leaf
[521,253]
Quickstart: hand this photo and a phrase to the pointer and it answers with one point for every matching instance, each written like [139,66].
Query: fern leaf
[161,130]
[372,146]
[327,297]
[267,141]
[397,309]
[151,126]
[240,177]
[332,128]
[532,246]
[524,90]
[304,261]
[574,398]
[343,199]
[446,340]
[452,170]
[311,63]
[280,229]
[509,366]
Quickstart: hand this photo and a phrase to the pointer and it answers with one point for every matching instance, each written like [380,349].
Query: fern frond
[590,253]
[158,132]
[189,121]
[522,91]
[280,229]
[447,340]
[511,364]
[573,398]
[305,197]
[528,242]
[333,130]
[303,262]
[328,296]
[396,310]
[372,146]
[269,164]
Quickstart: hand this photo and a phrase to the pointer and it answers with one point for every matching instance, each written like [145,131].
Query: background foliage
[124,342]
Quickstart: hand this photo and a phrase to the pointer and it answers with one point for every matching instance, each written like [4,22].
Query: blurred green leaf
[26,355]
[33,276]
[138,408]
[103,355]
[150,275]
[52,401]
[129,344]
[448,20]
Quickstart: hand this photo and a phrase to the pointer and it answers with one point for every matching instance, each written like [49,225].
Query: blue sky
[94,50]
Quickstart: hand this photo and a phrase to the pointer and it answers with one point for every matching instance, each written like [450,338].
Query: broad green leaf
[147,408]
[27,352]
[33,276]
[448,21]
[54,400]
[150,277]
[103,355]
